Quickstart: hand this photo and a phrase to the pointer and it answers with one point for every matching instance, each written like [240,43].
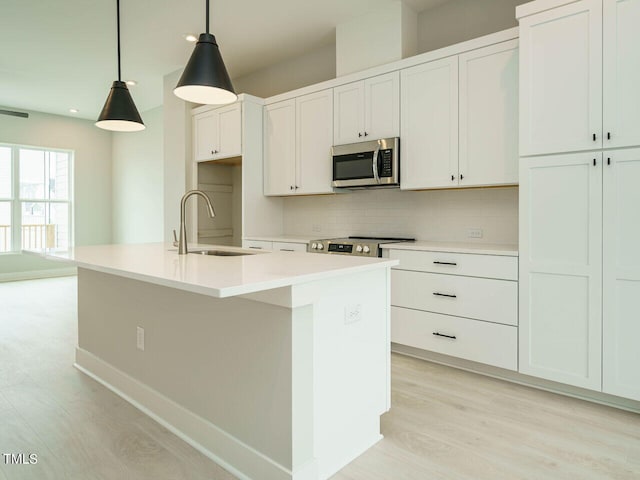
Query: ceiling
[57,55]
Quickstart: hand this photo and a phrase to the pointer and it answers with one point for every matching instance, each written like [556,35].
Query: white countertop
[476,248]
[215,276]
[281,238]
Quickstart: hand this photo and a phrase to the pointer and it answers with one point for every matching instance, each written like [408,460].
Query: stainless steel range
[360,246]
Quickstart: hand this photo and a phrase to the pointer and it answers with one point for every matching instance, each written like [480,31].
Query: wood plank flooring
[444,423]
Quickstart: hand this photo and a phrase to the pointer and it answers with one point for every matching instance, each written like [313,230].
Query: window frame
[16,200]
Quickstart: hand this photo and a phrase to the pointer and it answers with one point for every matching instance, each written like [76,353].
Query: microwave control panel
[385,165]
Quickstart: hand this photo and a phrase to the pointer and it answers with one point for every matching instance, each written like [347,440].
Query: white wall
[459,20]
[313,67]
[436,215]
[138,182]
[176,151]
[92,176]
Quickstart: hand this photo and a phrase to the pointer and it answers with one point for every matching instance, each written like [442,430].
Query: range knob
[366,249]
[359,248]
[320,246]
[314,245]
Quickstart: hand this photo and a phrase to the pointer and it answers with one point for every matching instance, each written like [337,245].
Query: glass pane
[5,226]
[5,173]
[33,224]
[45,225]
[58,235]
[32,175]
[59,175]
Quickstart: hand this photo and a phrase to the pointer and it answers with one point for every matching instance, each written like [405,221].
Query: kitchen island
[275,365]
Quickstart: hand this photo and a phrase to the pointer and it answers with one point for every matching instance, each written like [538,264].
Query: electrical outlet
[352,313]
[316,228]
[140,338]
[474,233]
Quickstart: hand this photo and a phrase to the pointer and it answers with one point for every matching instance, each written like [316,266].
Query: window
[35,198]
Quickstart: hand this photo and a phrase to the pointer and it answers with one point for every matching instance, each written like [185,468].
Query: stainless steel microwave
[367,164]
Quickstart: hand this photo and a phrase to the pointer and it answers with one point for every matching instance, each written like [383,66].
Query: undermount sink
[220,253]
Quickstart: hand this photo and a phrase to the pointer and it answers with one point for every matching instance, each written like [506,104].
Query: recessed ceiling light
[74,110]
[131,83]
[191,38]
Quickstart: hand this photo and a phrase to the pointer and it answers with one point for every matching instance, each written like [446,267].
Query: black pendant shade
[119,112]
[205,79]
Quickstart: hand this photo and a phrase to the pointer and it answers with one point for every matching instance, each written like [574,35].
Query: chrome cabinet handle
[437,294]
[445,263]
[438,334]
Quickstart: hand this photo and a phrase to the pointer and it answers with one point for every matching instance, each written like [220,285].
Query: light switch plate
[140,338]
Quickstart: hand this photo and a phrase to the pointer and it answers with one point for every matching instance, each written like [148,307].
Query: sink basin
[220,253]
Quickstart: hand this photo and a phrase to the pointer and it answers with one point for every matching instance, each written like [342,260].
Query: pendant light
[205,78]
[119,112]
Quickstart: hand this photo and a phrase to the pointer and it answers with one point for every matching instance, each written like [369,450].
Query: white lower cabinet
[459,304]
[275,246]
[483,342]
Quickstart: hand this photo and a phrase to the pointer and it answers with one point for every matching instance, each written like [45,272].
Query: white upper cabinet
[621,274]
[298,137]
[217,133]
[581,76]
[314,138]
[367,110]
[280,148]
[488,131]
[560,268]
[621,74]
[429,126]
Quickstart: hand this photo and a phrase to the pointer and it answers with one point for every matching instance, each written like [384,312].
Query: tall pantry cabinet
[579,196]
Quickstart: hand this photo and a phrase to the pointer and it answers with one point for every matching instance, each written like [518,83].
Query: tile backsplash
[434,215]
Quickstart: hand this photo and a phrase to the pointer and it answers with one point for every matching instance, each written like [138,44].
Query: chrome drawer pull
[445,263]
[444,295]
[437,334]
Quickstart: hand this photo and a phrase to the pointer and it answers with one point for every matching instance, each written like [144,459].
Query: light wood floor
[444,423]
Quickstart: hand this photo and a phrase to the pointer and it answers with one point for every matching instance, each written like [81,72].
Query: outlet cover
[316,228]
[474,233]
[140,338]
[352,313]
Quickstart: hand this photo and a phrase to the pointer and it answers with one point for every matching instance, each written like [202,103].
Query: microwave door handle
[376,175]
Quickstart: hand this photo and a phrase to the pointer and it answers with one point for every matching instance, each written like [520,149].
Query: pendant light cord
[118,16]
[207,16]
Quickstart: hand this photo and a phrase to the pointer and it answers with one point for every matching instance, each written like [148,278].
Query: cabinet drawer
[257,244]
[289,247]
[477,341]
[472,265]
[479,298]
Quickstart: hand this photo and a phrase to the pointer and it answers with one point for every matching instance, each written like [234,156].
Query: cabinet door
[229,131]
[489,115]
[205,135]
[621,274]
[314,136]
[279,148]
[429,126]
[560,268]
[348,124]
[382,106]
[621,73]
[561,79]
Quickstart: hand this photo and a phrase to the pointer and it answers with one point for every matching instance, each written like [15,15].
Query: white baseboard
[37,274]
[227,451]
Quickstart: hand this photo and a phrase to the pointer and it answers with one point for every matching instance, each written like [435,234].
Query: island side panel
[351,376]
[228,360]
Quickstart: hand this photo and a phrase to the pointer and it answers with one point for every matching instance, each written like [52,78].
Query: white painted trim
[37,274]
[243,97]
[480,42]
[202,435]
[538,6]
[519,378]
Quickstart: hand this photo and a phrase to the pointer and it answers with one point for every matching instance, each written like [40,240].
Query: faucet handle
[175,238]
